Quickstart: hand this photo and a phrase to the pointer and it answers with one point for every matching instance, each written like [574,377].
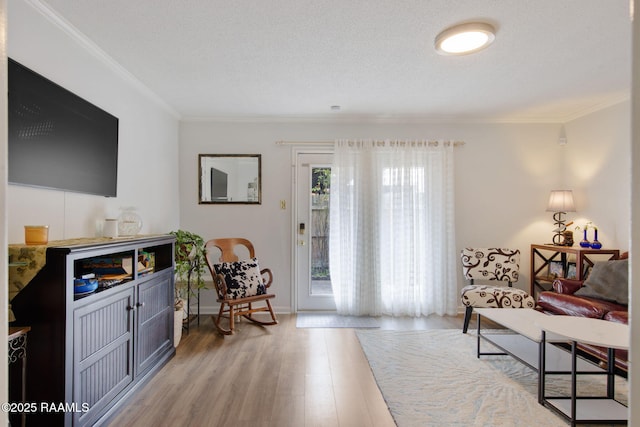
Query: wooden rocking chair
[239,284]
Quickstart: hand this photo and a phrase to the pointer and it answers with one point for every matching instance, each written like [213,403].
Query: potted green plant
[189,257]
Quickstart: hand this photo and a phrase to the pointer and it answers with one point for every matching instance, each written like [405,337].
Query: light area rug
[332,320]
[433,378]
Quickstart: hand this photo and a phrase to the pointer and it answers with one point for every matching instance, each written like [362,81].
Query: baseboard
[213,309]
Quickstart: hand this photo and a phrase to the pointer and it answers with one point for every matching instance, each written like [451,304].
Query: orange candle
[36,234]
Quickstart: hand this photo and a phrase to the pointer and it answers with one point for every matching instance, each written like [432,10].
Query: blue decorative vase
[585,243]
[595,244]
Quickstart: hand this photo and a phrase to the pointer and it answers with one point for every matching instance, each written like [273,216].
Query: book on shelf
[117,268]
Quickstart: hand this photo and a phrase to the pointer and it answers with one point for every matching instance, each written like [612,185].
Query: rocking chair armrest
[267,281]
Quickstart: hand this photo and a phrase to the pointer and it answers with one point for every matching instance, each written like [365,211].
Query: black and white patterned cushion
[243,278]
[491,264]
[488,296]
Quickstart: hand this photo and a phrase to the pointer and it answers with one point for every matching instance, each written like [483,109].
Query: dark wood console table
[543,255]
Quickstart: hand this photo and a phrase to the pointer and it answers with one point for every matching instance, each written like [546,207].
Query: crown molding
[59,21]
[338,118]
[368,119]
[615,100]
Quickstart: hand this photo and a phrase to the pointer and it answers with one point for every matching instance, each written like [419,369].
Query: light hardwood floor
[268,376]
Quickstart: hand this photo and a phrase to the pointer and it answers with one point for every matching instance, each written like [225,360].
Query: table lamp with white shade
[560,202]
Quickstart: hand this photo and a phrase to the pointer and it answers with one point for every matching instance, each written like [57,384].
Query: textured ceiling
[552,60]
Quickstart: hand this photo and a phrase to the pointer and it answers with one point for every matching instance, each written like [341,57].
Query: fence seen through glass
[320,185]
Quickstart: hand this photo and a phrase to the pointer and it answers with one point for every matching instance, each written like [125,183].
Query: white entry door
[313,279]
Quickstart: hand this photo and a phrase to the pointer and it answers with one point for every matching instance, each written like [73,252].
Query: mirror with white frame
[230,178]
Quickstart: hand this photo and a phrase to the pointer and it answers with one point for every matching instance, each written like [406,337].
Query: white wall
[597,166]
[148,135]
[503,177]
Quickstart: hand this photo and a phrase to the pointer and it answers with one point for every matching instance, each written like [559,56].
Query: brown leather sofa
[561,301]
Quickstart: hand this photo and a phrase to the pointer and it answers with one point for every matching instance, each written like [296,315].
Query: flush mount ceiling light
[465,38]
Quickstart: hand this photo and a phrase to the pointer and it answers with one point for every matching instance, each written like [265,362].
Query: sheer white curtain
[392,236]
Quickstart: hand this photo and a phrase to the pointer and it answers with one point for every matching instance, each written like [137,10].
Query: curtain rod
[305,142]
[431,143]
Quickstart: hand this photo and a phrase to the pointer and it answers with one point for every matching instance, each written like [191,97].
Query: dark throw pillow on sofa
[608,280]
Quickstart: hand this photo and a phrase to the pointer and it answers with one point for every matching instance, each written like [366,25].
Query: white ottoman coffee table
[522,340]
[593,410]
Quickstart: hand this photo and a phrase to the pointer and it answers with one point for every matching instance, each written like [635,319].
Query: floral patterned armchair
[491,264]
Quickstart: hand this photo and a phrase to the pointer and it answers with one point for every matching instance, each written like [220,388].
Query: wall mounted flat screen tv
[57,140]
[218,184]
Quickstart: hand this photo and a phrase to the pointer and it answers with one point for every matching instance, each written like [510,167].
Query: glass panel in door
[313,181]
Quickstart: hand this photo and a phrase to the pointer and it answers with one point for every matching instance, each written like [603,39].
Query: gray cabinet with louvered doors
[89,352]
[102,352]
[155,320]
